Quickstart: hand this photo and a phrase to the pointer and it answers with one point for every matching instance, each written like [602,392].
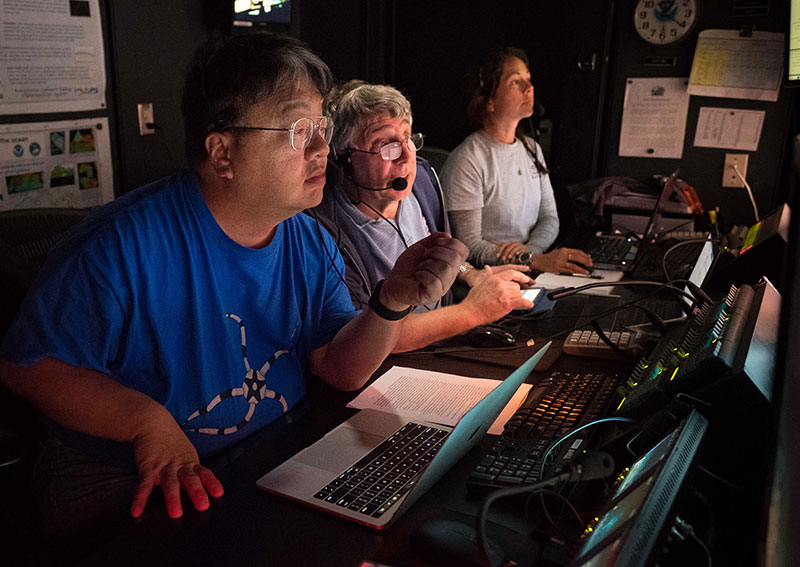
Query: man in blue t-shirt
[180,318]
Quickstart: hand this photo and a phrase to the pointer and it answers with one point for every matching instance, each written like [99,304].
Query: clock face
[662,22]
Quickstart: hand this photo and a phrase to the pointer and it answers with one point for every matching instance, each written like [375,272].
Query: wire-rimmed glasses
[301,131]
[390,151]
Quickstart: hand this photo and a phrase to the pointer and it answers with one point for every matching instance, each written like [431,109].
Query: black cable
[325,248]
[547,492]
[725,482]
[559,441]
[669,251]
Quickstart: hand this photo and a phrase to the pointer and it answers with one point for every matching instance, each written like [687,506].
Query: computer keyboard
[611,250]
[377,481]
[558,405]
[588,343]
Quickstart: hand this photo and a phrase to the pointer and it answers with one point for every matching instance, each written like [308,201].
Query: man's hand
[562,261]
[510,272]
[495,293]
[165,457]
[423,273]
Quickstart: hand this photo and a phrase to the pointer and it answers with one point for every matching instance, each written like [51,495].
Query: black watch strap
[381,310]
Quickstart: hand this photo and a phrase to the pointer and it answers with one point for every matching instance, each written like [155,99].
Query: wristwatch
[381,310]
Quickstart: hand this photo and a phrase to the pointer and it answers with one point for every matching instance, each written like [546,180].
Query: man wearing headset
[181,318]
[381,198]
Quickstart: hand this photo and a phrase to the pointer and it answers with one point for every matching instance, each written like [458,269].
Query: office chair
[26,237]
[437,156]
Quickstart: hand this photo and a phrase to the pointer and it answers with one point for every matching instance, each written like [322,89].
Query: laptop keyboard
[605,250]
[679,262]
[376,482]
[558,405]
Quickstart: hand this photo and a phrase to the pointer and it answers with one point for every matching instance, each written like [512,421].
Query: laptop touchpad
[338,449]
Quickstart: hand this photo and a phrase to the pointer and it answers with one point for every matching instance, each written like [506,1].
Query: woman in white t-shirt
[496,185]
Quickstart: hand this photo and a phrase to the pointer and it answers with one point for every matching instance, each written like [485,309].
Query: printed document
[433,396]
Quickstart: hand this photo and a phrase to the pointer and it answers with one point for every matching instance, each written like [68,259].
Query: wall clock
[663,22]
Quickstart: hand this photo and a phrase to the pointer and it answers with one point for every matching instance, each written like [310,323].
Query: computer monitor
[642,510]
[262,13]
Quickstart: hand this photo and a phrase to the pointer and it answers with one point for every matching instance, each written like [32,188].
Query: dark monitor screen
[249,13]
[761,357]
[639,515]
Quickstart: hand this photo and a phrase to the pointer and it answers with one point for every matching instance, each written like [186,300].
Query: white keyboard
[588,343]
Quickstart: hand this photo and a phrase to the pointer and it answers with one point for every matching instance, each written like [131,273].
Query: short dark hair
[485,79]
[227,76]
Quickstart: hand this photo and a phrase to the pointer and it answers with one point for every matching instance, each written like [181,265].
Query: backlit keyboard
[555,407]
[381,478]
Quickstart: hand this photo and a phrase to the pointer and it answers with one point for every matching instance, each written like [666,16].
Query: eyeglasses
[393,150]
[301,131]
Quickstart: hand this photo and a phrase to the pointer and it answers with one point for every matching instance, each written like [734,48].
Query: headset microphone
[398,184]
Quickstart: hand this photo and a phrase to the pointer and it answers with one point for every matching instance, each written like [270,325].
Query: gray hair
[355,104]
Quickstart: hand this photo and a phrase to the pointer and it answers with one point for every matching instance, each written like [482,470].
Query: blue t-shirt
[152,292]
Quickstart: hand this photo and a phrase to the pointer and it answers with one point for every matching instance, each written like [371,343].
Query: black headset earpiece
[221,120]
[482,82]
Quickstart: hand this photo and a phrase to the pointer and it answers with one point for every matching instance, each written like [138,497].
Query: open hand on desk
[424,272]
[166,457]
[562,261]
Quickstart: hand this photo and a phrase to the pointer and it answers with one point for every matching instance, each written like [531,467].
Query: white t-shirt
[516,201]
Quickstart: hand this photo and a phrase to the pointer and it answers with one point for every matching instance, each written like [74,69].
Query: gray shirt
[494,193]
[382,235]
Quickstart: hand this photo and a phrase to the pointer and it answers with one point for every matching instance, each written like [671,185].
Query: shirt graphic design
[253,389]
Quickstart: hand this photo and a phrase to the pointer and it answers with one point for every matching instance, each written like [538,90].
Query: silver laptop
[375,465]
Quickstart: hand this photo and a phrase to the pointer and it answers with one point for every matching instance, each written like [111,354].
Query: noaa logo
[18,150]
[34,149]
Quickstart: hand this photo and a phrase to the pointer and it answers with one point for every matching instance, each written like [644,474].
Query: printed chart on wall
[56,164]
[51,56]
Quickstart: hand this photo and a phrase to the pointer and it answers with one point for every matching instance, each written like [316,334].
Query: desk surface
[250,527]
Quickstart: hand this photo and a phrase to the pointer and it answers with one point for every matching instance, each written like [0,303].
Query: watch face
[662,22]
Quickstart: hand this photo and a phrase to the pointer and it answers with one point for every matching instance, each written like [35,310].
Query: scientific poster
[51,56]
[56,164]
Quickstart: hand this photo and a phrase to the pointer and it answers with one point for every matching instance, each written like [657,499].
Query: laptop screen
[654,227]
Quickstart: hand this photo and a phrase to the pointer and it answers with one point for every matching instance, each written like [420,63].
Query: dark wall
[151,44]
[425,48]
[701,167]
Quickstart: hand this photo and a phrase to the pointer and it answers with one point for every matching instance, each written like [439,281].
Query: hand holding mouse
[563,261]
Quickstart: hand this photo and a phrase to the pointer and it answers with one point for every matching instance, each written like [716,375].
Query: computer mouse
[490,337]
[450,542]
[583,266]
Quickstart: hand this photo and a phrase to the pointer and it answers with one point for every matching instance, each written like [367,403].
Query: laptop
[620,252]
[329,474]
[588,307]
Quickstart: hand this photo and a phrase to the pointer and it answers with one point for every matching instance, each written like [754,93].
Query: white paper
[56,164]
[555,281]
[728,65]
[654,118]
[731,128]
[51,56]
[433,396]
